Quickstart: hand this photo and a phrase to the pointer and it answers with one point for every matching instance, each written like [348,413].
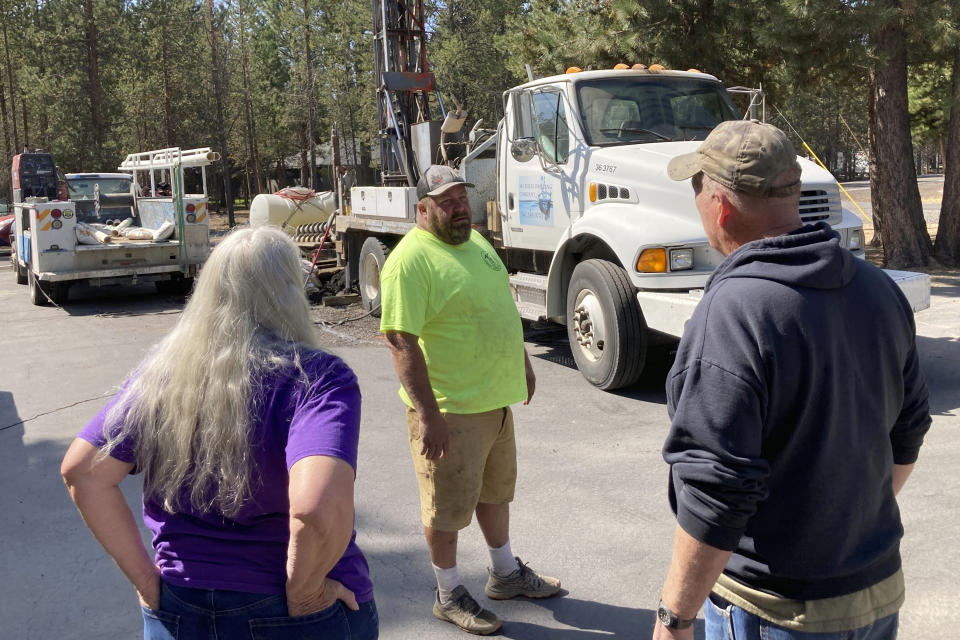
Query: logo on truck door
[535,201]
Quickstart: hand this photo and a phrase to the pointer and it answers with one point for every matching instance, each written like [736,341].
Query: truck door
[541,195]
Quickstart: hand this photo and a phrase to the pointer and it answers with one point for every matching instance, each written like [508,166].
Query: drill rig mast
[404,85]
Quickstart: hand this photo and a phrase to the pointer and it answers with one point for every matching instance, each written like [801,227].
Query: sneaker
[465,612]
[522,582]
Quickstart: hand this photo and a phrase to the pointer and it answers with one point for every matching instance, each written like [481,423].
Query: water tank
[295,208]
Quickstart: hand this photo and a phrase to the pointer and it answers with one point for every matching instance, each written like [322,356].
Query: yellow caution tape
[863,215]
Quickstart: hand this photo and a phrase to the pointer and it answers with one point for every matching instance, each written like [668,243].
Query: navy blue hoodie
[795,389]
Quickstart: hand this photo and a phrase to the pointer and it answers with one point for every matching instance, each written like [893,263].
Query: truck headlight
[856,240]
[681,259]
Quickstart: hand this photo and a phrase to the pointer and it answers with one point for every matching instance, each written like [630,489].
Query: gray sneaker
[465,612]
[522,582]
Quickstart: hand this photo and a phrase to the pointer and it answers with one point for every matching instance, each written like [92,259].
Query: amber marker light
[620,66]
[652,261]
[574,69]
[593,192]
[639,67]
[657,67]
[692,70]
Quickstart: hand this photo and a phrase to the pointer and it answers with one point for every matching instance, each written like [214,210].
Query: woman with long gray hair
[246,435]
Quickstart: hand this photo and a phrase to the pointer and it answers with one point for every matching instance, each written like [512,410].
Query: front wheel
[373,254]
[605,326]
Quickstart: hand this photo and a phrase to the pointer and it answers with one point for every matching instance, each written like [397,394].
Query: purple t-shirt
[248,552]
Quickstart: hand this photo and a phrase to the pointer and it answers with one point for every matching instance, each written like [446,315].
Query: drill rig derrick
[404,85]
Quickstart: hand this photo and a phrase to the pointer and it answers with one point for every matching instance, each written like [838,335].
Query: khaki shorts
[479,466]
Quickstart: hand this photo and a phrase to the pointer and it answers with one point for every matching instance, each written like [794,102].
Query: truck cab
[101,197]
[601,239]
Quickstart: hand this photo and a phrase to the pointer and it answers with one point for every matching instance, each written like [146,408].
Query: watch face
[664,615]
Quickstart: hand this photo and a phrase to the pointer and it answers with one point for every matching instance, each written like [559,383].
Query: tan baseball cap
[438,178]
[744,155]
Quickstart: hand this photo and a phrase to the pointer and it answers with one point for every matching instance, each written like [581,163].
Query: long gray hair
[188,405]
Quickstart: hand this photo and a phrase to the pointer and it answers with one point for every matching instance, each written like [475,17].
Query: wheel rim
[370,275]
[588,325]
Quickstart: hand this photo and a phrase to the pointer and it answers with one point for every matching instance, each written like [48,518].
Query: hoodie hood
[809,257]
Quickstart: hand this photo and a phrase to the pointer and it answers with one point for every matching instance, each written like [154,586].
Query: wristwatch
[671,620]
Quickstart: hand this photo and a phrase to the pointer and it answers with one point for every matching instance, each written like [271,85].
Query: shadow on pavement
[946,284]
[58,581]
[591,620]
[649,388]
[121,300]
[938,360]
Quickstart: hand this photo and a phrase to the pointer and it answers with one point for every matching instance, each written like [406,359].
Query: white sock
[503,561]
[447,581]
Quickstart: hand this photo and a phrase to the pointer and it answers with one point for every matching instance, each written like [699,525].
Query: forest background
[870,85]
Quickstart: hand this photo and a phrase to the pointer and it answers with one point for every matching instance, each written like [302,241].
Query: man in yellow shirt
[457,345]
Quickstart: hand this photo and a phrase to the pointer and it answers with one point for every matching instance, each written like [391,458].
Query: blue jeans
[205,614]
[724,621]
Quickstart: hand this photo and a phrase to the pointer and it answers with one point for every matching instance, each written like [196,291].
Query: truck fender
[577,245]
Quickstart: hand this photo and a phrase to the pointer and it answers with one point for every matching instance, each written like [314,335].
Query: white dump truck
[104,228]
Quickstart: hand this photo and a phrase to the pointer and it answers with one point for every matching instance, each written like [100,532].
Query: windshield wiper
[623,130]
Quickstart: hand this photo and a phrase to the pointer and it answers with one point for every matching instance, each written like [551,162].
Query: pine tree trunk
[13,90]
[26,124]
[168,130]
[905,240]
[309,93]
[304,160]
[876,193]
[93,77]
[41,56]
[217,77]
[252,149]
[6,125]
[947,246]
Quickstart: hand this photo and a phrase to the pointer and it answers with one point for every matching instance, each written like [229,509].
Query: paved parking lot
[591,505]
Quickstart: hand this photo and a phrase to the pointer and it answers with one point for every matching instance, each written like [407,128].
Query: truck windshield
[82,188]
[633,110]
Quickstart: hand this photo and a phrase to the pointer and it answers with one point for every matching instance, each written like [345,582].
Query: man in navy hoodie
[798,410]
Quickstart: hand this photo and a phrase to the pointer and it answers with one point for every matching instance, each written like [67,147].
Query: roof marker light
[657,67]
[574,69]
[620,66]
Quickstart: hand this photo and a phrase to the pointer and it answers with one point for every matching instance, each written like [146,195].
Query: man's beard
[447,232]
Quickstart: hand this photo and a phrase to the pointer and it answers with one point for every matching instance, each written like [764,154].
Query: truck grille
[816,205]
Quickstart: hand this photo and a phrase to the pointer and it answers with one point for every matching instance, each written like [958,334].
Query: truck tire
[373,254]
[175,286]
[19,272]
[605,326]
[36,294]
[42,292]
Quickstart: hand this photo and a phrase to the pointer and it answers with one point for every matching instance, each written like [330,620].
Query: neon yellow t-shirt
[457,299]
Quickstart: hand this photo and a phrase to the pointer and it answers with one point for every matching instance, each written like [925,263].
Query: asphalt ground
[590,509]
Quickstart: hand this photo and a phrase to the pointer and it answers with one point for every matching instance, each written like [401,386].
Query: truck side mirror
[523,149]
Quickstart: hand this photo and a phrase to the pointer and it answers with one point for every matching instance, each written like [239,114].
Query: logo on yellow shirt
[492,262]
